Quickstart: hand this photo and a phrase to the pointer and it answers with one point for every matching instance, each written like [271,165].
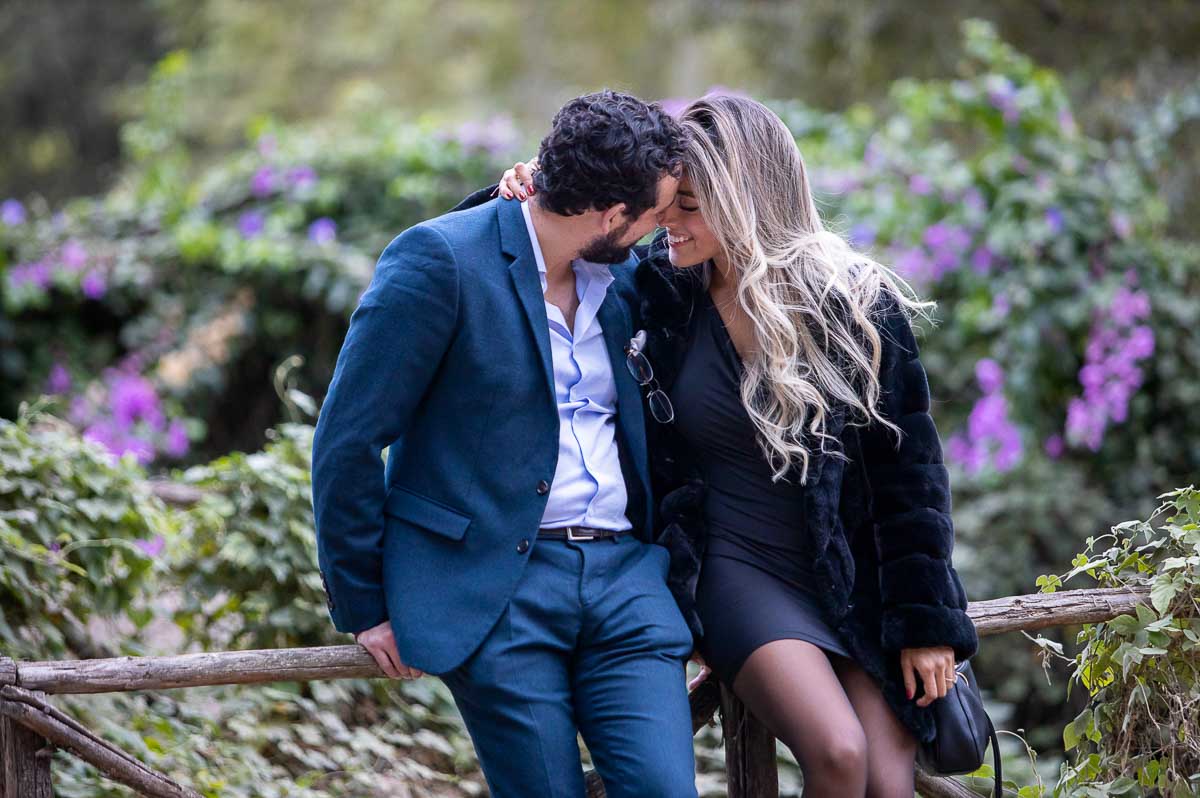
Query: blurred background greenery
[197,191]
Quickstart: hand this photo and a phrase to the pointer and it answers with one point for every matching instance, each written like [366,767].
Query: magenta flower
[154,547]
[322,231]
[36,274]
[1129,306]
[93,285]
[1054,446]
[12,212]
[59,381]
[177,439]
[920,185]
[989,375]
[134,399]
[73,256]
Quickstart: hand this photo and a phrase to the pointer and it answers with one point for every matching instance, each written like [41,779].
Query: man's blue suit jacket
[447,361]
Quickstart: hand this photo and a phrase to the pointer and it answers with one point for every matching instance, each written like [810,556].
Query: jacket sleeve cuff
[926,625]
[356,611]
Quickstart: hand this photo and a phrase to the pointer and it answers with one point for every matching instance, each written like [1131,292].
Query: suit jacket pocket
[426,513]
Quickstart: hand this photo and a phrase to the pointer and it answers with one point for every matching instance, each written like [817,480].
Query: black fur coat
[881,536]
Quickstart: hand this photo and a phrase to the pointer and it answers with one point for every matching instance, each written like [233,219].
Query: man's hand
[935,665]
[518,181]
[379,641]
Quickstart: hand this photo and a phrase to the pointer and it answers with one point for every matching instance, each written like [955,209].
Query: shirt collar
[594,271]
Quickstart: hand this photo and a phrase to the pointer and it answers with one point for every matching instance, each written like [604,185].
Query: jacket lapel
[514,240]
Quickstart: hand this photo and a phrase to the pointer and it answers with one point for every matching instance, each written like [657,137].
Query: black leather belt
[578,533]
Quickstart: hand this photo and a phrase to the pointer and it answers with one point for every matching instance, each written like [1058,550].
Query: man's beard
[608,248]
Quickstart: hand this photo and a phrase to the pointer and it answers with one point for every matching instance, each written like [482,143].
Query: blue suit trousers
[591,643]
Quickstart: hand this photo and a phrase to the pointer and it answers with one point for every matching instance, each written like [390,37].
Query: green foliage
[79,536]
[1139,734]
[248,575]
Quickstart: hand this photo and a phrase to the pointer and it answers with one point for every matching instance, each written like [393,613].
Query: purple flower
[981,260]
[920,185]
[495,136]
[1001,305]
[322,231]
[1054,219]
[93,285]
[177,439]
[673,106]
[1121,224]
[873,155]
[1002,94]
[55,546]
[989,375]
[1066,121]
[251,223]
[974,201]
[266,145]
[1141,342]
[301,177]
[36,274]
[1054,446]
[134,399]
[1129,306]
[59,381]
[152,548]
[73,256]
[862,235]
[263,182]
[12,212]
[913,264]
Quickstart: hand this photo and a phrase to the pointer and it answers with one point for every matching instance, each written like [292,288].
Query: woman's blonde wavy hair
[809,295]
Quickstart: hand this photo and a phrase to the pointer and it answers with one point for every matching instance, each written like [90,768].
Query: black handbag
[963,731]
[963,727]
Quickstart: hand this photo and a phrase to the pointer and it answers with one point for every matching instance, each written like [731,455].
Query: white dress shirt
[588,487]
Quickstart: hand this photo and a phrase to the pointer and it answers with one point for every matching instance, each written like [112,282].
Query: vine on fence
[1141,729]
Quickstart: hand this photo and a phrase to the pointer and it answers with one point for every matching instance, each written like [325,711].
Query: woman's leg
[792,688]
[891,747]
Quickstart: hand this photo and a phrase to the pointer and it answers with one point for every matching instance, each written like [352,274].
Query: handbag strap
[998,792]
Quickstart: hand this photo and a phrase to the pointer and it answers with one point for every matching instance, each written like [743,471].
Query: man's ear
[612,218]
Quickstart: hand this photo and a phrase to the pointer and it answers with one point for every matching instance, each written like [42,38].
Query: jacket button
[523,546]
[543,487]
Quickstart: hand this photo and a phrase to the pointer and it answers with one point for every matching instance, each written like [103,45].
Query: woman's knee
[835,756]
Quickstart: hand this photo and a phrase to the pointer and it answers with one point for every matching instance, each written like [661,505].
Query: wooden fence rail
[29,725]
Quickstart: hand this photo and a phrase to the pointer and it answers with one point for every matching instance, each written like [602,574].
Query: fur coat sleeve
[923,600]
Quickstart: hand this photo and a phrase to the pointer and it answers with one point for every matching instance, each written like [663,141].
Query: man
[504,547]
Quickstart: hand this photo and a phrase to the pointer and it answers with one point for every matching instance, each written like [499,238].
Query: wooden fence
[31,727]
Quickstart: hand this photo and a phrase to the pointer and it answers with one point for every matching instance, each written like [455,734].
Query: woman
[804,499]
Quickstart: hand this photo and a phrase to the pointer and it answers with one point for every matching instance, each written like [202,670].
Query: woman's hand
[935,665]
[702,675]
[518,181]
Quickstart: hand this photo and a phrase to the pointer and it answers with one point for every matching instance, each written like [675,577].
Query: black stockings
[833,717]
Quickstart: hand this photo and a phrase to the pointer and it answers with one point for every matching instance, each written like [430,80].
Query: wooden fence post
[750,768]
[24,755]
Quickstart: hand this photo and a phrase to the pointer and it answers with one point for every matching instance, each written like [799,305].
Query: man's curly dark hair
[607,148]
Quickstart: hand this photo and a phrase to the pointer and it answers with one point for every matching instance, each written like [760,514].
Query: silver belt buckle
[572,536]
